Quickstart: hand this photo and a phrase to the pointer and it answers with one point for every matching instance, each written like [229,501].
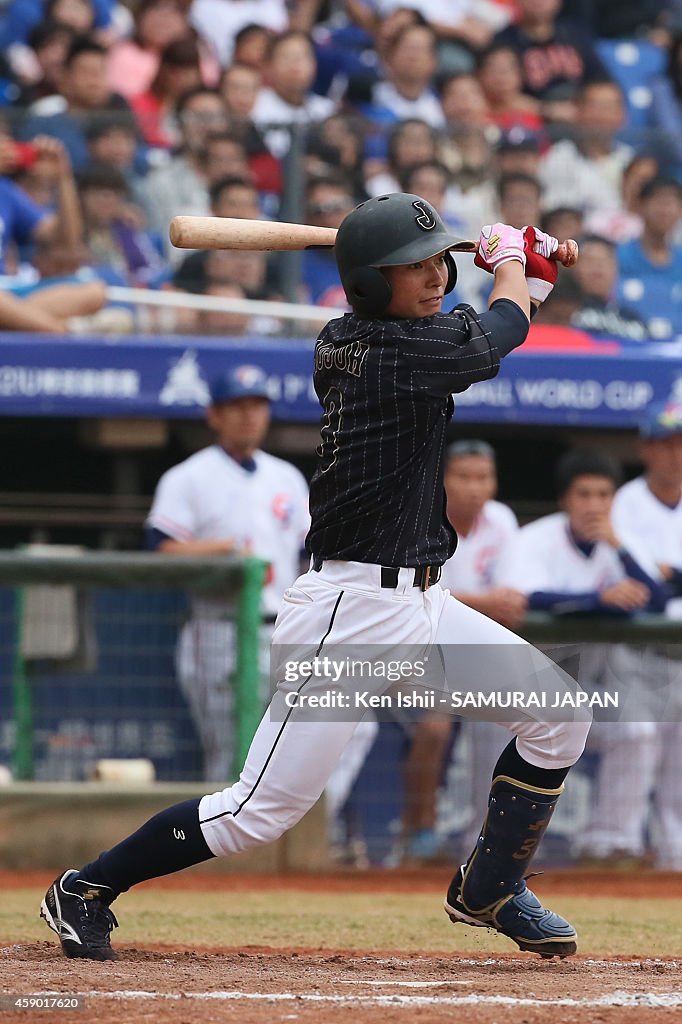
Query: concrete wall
[58,825]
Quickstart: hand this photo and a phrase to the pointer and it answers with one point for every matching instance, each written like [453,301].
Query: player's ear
[210,415]
[452,272]
[367,290]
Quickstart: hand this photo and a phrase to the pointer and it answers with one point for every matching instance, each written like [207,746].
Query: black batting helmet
[388,231]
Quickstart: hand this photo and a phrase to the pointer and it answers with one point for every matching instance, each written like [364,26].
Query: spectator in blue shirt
[85,94]
[328,201]
[650,267]
[35,305]
[666,106]
[24,15]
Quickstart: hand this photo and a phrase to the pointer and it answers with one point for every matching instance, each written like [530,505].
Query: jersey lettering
[329,431]
[426,220]
[348,358]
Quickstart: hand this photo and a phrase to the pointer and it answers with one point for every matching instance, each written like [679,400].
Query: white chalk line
[624,999]
[404,984]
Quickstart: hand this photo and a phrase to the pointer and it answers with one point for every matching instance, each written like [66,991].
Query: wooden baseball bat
[273,236]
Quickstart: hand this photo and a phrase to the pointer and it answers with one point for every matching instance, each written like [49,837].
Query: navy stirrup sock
[168,842]
[511,764]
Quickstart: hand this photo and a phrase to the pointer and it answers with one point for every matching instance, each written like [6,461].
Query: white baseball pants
[291,758]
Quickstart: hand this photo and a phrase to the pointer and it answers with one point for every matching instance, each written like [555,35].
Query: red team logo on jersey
[283,509]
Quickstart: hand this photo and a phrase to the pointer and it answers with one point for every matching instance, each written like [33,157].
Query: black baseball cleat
[78,911]
[520,916]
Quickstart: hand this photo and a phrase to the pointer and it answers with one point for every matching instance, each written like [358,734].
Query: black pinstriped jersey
[386,389]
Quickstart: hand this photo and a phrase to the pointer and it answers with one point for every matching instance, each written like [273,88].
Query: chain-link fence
[92,654]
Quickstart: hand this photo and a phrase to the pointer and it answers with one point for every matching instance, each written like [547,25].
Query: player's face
[418,288]
[240,426]
[470,481]
[587,502]
[663,459]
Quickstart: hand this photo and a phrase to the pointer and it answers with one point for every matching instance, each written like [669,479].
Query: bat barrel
[256,235]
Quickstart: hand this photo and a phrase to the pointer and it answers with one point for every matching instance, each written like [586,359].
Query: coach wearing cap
[228,497]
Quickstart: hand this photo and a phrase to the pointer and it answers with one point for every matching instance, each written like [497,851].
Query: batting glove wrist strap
[538,289]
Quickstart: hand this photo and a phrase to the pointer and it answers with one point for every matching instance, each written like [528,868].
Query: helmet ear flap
[367,290]
[452,272]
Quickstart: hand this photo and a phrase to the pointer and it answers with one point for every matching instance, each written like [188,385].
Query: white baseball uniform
[264,512]
[545,558]
[473,569]
[658,528]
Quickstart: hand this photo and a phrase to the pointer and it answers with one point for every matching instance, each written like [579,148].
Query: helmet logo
[426,219]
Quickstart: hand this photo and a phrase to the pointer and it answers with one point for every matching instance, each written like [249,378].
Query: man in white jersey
[484,528]
[650,507]
[574,561]
[229,497]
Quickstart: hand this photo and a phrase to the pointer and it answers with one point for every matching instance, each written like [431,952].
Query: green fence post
[22,766]
[247,701]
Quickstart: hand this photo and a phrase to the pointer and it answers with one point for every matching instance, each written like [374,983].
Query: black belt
[424,576]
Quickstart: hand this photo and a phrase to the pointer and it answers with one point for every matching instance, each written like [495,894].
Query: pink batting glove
[544,245]
[498,244]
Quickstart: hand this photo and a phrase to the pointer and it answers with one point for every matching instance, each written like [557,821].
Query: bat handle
[566,254]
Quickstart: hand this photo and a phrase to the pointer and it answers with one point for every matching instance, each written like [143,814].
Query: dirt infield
[184,984]
[263,986]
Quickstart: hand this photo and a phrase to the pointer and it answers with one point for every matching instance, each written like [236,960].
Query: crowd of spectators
[564,114]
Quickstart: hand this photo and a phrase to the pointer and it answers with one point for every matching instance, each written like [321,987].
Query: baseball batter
[385,375]
[229,497]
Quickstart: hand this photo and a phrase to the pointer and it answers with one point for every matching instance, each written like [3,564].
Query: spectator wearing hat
[645,768]
[650,267]
[229,498]
[517,151]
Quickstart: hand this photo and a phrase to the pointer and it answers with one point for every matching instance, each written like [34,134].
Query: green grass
[360,921]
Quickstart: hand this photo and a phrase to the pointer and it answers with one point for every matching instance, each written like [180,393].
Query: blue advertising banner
[560,377]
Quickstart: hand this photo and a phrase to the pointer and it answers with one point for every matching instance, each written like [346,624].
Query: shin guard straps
[517,819]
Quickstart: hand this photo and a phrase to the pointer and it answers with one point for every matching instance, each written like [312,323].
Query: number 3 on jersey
[329,430]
